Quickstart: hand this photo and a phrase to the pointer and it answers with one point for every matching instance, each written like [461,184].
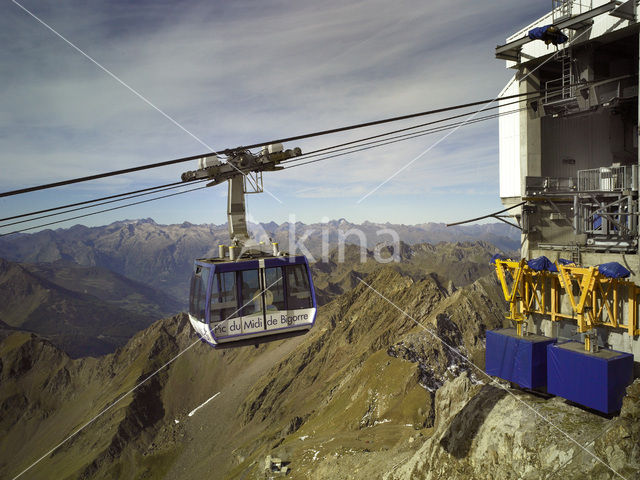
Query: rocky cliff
[388,384]
[488,430]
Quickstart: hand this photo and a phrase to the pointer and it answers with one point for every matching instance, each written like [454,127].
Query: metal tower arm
[236,211]
[243,170]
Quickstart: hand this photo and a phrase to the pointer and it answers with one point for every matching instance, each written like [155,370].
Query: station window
[275,289]
[197,299]
[298,290]
[224,303]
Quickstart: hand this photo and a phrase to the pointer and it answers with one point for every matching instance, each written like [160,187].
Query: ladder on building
[562,89]
[567,74]
[575,256]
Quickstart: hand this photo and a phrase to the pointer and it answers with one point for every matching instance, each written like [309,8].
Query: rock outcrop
[487,431]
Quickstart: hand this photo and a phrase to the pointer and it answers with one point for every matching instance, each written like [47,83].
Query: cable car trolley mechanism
[250,293]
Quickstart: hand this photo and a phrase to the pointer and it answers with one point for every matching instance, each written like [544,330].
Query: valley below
[389,384]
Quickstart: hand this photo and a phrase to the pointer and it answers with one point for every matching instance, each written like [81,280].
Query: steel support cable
[304,156]
[495,215]
[411,135]
[125,197]
[229,151]
[387,141]
[380,143]
[335,148]
[86,202]
[539,93]
[384,142]
[101,211]
[199,188]
[315,153]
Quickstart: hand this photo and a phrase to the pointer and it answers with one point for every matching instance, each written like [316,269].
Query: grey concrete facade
[585,131]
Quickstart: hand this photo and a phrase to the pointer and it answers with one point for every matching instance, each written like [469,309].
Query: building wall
[577,143]
[509,148]
[558,147]
[530,131]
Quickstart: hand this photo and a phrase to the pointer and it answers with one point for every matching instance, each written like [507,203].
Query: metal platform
[511,50]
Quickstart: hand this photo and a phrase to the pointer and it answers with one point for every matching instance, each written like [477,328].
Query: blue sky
[234,73]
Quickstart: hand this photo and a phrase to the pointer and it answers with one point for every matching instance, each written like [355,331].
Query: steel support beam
[511,50]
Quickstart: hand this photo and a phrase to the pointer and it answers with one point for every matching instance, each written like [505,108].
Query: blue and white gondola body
[251,301]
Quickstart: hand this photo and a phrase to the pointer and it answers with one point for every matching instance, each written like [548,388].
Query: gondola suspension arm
[243,170]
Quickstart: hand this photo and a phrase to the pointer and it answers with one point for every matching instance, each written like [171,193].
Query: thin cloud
[239,72]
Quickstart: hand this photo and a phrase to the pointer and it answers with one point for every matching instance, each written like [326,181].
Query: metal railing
[608,179]
[558,89]
[602,179]
[607,219]
[549,184]
[566,8]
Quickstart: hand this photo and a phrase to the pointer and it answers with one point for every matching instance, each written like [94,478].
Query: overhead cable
[335,152]
[22,215]
[101,211]
[304,156]
[315,153]
[399,138]
[229,151]
[328,152]
[93,204]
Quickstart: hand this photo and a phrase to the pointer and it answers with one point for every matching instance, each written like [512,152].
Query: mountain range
[88,290]
[450,264]
[388,384]
[161,256]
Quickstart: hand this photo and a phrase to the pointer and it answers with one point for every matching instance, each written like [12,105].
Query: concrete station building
[571,154]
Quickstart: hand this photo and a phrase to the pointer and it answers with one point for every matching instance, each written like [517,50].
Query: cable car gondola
[242,302]
[254,296]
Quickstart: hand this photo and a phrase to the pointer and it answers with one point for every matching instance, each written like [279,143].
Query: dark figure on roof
[549,34]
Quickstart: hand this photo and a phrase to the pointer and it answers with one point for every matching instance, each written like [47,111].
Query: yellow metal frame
[595,299]
[513,296]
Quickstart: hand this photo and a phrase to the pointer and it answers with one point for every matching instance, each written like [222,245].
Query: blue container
[522,360]
[595,380]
